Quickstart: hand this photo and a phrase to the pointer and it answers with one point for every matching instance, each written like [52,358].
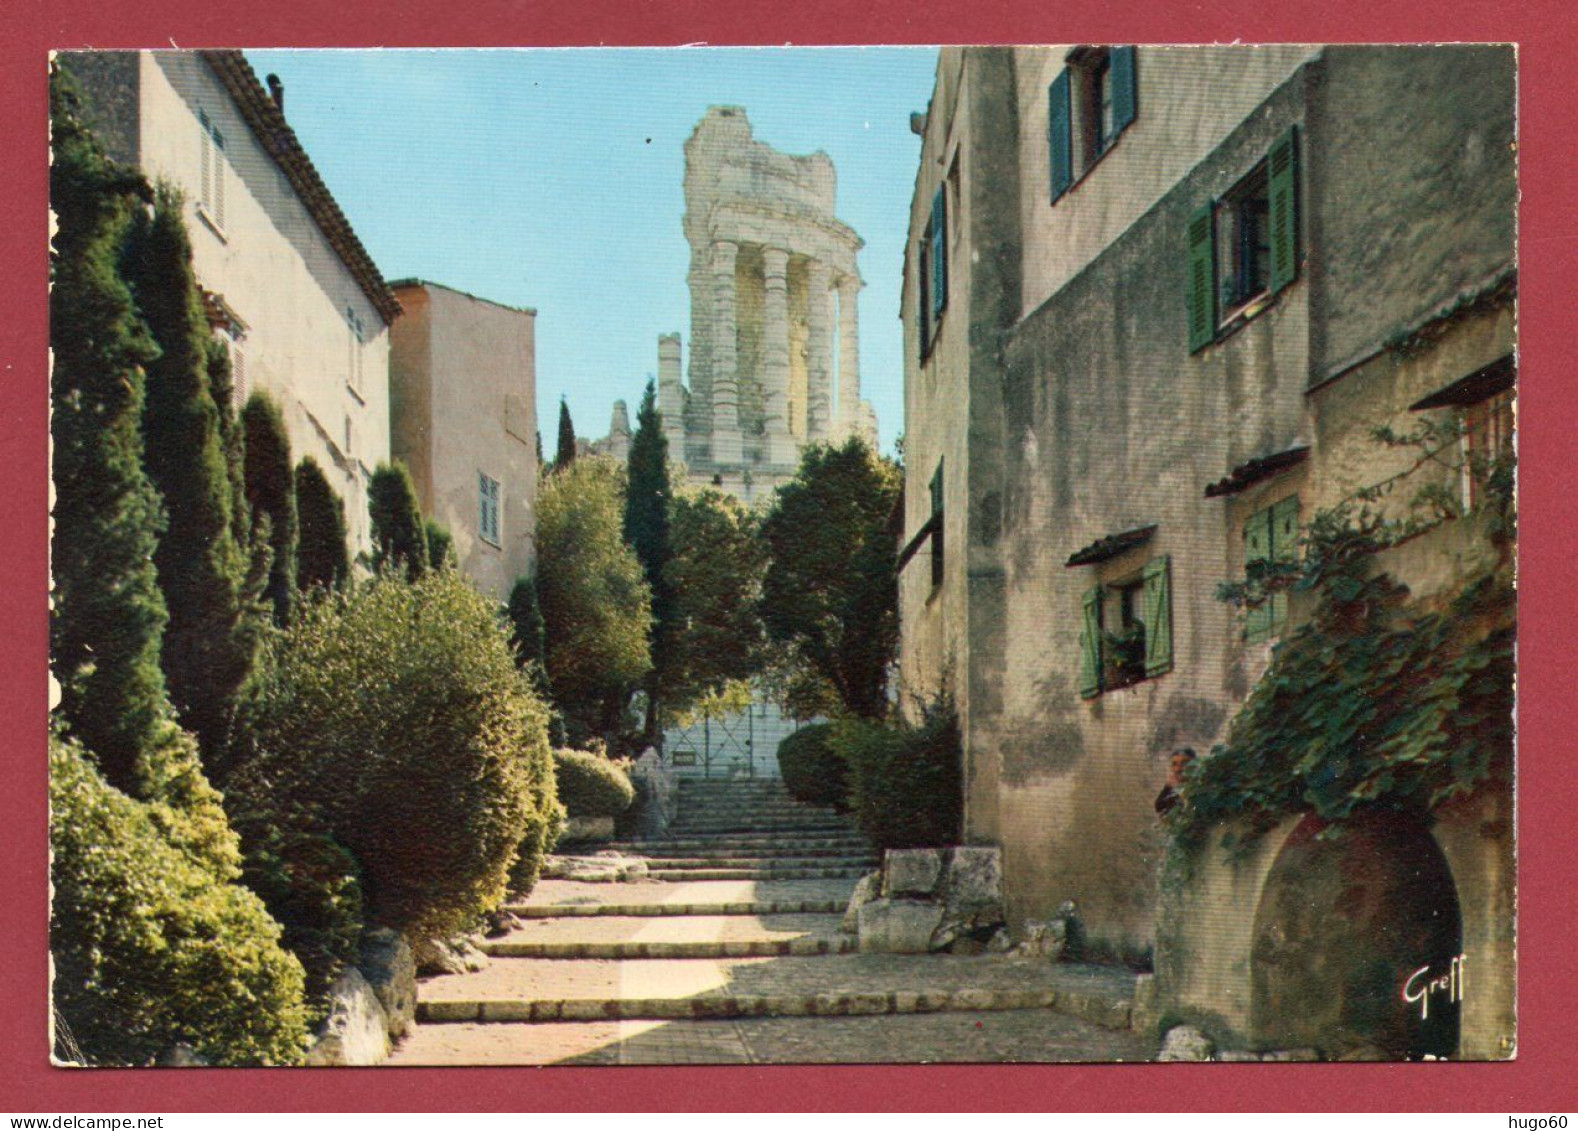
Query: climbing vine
[1369,706]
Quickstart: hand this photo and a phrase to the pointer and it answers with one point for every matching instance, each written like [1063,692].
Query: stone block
[390,969]
[439,1012]
[911,872]
[1044,939]
[1186,1043]
[1146,1012]
[898,926]
[356,1031]
[868,888]
[975,877]
[588,830]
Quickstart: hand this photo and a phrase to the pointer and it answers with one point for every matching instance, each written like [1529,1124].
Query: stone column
[819,354]
[849,410]
[701,318]
[726,444]
[778,444]
[671,395]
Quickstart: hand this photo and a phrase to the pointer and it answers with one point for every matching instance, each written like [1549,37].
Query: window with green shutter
[1270,536]
[1158,617]
[1090,641]
[938,240]
[1202,278]
[937,560]
[1283,175]
[1089,105]
[1060,133]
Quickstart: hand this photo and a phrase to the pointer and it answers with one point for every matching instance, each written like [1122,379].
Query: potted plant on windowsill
[1123,657]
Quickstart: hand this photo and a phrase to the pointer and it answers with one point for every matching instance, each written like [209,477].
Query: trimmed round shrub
[152,947]
[590,785]
[393,719]
[904,779]
[812,769]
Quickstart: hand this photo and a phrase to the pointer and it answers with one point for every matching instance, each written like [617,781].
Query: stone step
[681,875]
[1108,1013]
[658,850]
[666,910]
[808,828]
[742,840]
[763,862]
[631,949]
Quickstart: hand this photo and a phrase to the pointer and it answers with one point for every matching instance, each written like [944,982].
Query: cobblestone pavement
[1017,1036]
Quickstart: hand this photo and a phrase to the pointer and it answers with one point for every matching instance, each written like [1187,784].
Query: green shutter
[1284,178]
[1284,548]
[939,251]
[1158,617]
[1060,134]
[1257,548]
[1090,645]
[1202,278]
[1125,94]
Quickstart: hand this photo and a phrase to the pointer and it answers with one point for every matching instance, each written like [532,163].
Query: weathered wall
[1429,131]
[272,264]
[1189,99]
[481,391]
[1111,424]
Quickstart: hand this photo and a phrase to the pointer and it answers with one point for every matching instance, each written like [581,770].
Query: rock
[587,830]
[657,798]
[389,969]
[1044,939]
[867,889]
[1300,1055]
[1186,1043]
[448,956]
[975,878]
[500,923]
[1238,1056]
[898,926]
[911,872]
[472,956]
[357,1030]
[182,1056]
[1002,942]
[1146,1013]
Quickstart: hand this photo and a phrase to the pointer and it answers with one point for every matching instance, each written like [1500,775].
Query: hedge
[590,785]
[393,719]
[904,778]
[153,945]
[812,769]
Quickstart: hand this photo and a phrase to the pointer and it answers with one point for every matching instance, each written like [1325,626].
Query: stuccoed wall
[1111,424]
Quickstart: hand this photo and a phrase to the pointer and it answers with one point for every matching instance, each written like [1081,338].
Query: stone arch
[1343,929]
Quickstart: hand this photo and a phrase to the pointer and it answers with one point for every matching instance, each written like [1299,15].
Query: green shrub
[590,785]
[904,778]
[400,541]
[152,947]
[812,769]
[271,496]
[393,718]
[323,559]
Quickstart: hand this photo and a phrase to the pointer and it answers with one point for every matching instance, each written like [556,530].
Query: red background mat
[1544,1074]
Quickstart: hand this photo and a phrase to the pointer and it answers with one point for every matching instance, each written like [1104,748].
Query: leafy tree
[211,642]
[830,595]
[108,613]
[440,545]
[565,456]
[648,497]
[715,577]
[596,608]
[322,557]
[526,628]
[271,494]
[399,539]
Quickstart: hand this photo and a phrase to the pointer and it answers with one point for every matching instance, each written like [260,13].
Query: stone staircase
[735,927]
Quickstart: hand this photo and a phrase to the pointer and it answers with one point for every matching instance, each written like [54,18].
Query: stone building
[463,403]
[774,301]
[288,286]
[1156,302]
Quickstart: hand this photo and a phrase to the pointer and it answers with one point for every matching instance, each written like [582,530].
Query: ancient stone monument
[775,335]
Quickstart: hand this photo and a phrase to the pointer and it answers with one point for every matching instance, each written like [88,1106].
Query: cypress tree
[398,535]
[565,456]
[322,559]
[440,546]
[271,495]
[209,650]
[646,529]
[526,629]
[108,614]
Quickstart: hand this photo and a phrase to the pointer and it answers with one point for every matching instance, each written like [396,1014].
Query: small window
[1126,630]
[211,171]
[933,264]
[1243,232]
[1487,442]
[488,509]
[1271,539]
[240,388]
[355,340]
[1089,105]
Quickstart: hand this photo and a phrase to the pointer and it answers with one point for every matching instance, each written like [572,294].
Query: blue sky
[554,179]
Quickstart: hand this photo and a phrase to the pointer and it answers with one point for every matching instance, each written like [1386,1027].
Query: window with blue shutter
[939,252]
[1060,133]
[1125,90]
[488,508]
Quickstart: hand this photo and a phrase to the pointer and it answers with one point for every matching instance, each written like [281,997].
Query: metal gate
[740,745]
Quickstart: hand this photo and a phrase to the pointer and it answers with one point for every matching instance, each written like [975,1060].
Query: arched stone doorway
[1349,929]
